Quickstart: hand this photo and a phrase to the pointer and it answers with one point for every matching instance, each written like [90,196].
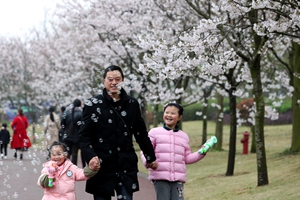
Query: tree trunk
[232,137]
[219,123]
[32,113]
[253,142]
[295,80]
[33,133]
[204,127]
[262,171]
[1,115]
[155,116]
[255,70]
[144,109]
[180,124]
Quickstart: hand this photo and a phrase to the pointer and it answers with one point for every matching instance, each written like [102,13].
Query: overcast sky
[19,15]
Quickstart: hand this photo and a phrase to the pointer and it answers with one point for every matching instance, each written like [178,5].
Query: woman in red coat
[20,140]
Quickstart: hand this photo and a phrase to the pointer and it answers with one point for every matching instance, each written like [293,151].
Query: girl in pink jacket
[172,150]
[58,175]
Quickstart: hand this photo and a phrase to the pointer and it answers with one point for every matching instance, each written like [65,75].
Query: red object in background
[245,141]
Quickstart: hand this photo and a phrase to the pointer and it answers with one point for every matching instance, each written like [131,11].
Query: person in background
[171,146]
[59,175]
[4,140]
[61,114]
[51,128]
[20,140]
[71,123]
[109,122]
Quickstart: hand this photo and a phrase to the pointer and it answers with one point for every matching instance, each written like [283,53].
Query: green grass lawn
[206,179]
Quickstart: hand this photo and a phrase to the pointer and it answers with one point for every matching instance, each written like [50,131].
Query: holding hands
[94,163]
[153,165]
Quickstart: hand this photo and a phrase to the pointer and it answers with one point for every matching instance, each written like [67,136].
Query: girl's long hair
[51,110]
[20,111]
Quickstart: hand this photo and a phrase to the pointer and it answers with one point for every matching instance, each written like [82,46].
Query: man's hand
[94,163]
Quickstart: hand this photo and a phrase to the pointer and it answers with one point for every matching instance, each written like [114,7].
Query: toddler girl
[58,175]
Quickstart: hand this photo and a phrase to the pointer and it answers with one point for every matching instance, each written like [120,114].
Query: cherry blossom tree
[231,27]
[285,27]
[16,77]
[119,25]
[189,53]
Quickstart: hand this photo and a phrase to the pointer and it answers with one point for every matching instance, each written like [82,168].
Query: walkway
[18,179]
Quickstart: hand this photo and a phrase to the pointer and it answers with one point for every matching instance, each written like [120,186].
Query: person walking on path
[173,152]
[51,127]
[109,122]
[59,175]
[71,123]
[4,140]
[20,140]
[61,114]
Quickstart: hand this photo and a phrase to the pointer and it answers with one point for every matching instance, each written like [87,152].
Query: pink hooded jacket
[64,182]
[172,152]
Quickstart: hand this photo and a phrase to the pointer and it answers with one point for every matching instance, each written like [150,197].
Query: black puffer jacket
[70,130]
[105,135]
[4,136]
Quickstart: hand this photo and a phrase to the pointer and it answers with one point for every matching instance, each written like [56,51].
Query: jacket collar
[77,109]
[167,128]
[123,96]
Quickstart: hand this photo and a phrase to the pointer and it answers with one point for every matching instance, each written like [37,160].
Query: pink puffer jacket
[64,183]
[172,152]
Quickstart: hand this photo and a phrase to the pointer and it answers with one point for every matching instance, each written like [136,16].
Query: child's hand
[201,152]
[52,170]
[153,165]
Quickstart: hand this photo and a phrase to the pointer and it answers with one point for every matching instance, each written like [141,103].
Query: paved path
[18,179]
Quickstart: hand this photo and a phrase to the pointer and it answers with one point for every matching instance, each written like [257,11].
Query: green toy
[208,144]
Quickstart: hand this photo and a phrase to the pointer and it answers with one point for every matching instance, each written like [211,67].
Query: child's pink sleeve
[143,159]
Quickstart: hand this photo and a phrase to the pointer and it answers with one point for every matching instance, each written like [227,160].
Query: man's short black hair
[113,68]
[63,108]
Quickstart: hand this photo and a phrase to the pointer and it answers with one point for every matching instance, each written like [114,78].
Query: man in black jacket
[70,124]
[109,121]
